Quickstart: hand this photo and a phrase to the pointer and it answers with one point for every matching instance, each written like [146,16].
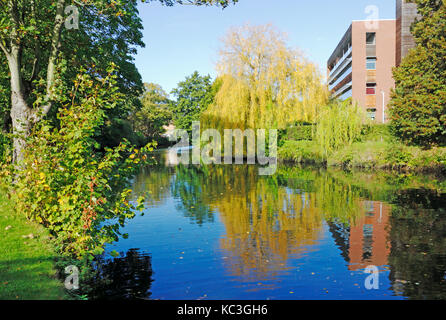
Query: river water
[224,232]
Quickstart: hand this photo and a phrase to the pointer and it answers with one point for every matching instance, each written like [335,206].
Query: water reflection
[365,242]
[418,237]
[189,185]
[397,222]
[127,277]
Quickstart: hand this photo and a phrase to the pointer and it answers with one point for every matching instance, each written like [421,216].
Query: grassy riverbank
[376,149]
[26,258]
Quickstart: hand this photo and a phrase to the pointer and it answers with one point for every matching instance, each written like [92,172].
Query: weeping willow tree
[339,124]
[264,83]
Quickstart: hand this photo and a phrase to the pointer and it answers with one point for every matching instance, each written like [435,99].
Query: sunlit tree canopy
[264,82]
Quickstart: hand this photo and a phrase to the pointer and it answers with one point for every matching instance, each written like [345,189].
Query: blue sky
[182,39]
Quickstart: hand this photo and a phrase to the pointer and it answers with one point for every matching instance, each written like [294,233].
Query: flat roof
[373,20]
[341,43]
[345,36]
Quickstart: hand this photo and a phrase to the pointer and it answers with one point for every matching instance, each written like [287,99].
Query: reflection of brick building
[366,242]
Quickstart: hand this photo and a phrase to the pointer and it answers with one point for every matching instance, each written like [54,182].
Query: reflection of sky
[188,263]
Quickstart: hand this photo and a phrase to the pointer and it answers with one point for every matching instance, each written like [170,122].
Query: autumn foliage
[264,82]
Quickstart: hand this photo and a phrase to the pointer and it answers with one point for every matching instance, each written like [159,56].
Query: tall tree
[39,50]
[418,106]
[193,96]
[154,112]
[264,82]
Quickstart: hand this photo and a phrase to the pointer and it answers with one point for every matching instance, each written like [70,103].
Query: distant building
[168,131]
[361,65]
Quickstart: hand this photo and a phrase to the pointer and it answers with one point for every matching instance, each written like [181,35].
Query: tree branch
[51,70]
[3,47]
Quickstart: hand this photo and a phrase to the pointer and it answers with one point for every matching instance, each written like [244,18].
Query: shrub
[300,132]
[66,184]
[301,151]
[5,143]
[398,154]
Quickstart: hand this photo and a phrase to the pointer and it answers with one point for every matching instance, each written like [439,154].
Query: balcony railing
[346,73]
[342,89]
[340,62]
[346,95]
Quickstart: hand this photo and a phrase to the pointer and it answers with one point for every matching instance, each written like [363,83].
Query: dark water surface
[224,232]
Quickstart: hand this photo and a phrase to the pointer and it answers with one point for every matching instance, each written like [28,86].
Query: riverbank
[27,258]
[372,152]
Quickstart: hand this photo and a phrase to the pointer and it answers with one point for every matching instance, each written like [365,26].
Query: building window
[371,38]
[371,113]
[370,89]
[371,64]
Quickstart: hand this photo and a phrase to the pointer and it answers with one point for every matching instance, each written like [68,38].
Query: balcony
[342,90]
[346,95]
[340,63]
[345,74]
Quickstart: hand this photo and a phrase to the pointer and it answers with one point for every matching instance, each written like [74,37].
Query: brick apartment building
[361,65]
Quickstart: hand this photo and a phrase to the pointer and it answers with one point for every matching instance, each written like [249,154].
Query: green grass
[26,265]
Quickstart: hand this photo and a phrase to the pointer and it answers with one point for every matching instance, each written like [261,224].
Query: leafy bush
[300,132]
[398,155]
[301,151]
[5,143]
[66,184]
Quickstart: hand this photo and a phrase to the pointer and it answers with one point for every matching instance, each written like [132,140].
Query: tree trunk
[20,111]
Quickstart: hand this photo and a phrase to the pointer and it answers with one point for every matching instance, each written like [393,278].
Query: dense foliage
[193,96]
[65,183]
[418,107]
[264,83]
[153,112]
[339,124]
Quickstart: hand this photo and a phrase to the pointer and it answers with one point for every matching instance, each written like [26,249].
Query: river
[224,232]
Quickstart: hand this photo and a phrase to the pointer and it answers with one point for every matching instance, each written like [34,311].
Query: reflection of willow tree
[127,277]
[418,238]
[199,187]
[267,219]
[338,202]
[265,225]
